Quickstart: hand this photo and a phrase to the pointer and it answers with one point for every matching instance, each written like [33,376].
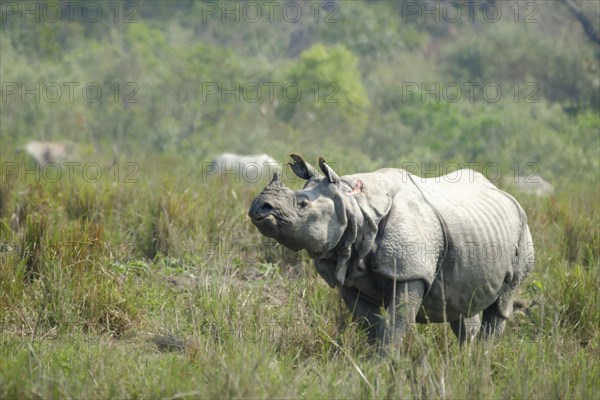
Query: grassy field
[162,288]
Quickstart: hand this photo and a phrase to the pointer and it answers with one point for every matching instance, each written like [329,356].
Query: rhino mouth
[264,220]
[274,227]
[259,211]
[269,224]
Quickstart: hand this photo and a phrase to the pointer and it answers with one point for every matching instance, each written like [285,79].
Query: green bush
[333,95]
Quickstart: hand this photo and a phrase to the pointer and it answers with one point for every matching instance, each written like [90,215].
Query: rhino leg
[493,323]
[466,329]
[408,299]
[365,311]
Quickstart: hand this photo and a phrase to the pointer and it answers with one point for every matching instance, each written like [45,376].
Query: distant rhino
[427,250]
[535,185]
[247,167]
[49,152]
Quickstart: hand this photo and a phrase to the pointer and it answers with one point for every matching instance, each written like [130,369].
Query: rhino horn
[301,168]
[276,181]
[329,173]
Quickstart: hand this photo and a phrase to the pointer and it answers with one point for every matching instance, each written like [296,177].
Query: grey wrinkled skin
[426,250]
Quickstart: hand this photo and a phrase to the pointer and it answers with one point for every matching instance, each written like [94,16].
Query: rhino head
[313,218]
[324,218]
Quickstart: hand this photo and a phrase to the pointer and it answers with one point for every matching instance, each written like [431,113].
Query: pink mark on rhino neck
[357,188]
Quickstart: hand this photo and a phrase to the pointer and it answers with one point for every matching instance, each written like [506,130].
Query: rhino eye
[303,203]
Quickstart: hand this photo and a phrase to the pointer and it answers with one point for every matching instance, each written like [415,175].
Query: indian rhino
[532,184]
[427,250]
[45,153]
[248,167]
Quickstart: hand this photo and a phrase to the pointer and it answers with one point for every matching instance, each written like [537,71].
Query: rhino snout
[262,215]
[260,210]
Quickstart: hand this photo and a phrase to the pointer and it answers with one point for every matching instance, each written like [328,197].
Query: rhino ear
[329,173]
[301,168]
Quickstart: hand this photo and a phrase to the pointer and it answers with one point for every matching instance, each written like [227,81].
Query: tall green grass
[96,277]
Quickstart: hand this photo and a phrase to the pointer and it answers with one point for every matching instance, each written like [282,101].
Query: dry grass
[221,312]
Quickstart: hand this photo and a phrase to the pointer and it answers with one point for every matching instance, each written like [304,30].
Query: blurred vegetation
[158,63]
[91,268]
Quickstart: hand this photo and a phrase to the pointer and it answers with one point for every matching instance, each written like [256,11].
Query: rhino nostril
[266,208]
